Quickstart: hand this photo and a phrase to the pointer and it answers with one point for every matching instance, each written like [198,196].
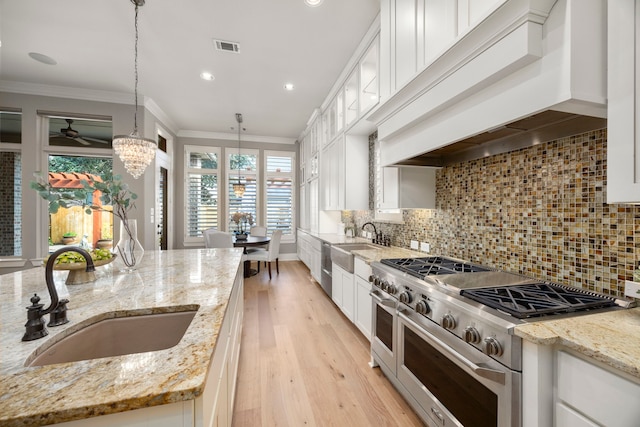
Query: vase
[128,248]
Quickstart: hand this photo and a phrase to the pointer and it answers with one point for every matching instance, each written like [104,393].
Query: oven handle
[490,374]
[389,302]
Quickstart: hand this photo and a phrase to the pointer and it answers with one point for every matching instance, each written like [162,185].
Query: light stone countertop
[611,337]
[166,281]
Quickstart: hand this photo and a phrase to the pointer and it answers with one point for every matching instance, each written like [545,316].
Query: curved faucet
[35,324]
[375,232]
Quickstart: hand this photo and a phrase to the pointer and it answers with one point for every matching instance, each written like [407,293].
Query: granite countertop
[166,281]
[611,337]
[368,255]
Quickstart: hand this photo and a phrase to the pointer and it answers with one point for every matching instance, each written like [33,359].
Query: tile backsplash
[539,211]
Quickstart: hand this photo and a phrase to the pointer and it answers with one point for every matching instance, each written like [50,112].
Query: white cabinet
[345,174]
[363,308]
[369,91]
[343,290]
[316,259]
[623,135]
[312,195]
[415,32]
[589,395]
[351,108]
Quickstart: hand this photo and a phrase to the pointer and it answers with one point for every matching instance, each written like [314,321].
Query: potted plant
[114,193]
[69,237]
[243,221]
[105,241]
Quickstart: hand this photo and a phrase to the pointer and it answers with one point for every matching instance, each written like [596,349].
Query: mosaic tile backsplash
[539,211]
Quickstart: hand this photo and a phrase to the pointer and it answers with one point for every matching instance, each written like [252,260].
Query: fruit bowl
[77,274]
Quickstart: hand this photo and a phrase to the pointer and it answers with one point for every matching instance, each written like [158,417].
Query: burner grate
[538,299]
[430,266]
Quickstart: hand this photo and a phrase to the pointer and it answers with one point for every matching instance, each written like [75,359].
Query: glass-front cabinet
[369,91]
[351,100]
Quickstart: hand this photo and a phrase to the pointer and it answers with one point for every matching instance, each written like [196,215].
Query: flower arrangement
[114,193]
[242,220]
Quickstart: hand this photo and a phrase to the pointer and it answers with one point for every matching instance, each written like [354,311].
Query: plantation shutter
[279,193]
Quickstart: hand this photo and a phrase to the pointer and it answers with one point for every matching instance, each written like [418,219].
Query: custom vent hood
[530,71]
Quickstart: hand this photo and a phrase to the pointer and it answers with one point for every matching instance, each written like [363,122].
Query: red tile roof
[70,180]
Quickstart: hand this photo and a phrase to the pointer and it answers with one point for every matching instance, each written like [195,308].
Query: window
[201,191]
[10,184]
[279,199]
[242,168]
[72,226]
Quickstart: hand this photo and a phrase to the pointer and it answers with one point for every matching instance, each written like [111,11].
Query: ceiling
[281,41]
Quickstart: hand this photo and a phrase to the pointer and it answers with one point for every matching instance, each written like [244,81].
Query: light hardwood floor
[303,363]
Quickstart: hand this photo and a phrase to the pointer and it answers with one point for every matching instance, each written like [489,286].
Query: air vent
[227,46]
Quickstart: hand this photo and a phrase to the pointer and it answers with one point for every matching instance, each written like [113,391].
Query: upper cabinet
[623,135]
[369,94]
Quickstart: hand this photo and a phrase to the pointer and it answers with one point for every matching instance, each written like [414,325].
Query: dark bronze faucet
[57,308]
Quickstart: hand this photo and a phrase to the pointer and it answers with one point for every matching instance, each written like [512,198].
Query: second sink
[116,337]
[342,256]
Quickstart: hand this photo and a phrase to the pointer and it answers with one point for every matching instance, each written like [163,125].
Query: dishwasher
[325,278]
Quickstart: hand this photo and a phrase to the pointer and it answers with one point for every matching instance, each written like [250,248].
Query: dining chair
[258,230]
[217,239]
[269,255]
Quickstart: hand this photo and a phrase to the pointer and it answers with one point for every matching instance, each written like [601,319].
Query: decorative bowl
[78,275]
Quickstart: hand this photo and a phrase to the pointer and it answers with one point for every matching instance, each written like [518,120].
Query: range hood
[539,128]
[530,72]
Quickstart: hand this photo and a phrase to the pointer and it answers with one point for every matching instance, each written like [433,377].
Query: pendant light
[135,151]
[239,187]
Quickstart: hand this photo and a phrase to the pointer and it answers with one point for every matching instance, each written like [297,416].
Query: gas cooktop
[432,266]
[538,299]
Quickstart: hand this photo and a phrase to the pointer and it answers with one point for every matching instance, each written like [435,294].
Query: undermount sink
[116,336]
[342,254]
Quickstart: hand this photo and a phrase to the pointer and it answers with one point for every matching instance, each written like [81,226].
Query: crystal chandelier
[135,151]
[239,188]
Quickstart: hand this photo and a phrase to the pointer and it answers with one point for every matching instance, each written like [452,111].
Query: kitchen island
[209,280]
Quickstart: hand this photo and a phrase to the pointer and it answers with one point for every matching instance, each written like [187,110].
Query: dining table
[249,242]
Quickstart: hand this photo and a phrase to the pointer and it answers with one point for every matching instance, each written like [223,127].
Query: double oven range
[443,335]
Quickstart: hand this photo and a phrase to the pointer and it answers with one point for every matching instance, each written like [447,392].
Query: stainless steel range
[443,334]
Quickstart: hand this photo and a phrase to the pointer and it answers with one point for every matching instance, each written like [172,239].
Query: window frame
[231,174]
[286,238]
[188,170]
[12,261]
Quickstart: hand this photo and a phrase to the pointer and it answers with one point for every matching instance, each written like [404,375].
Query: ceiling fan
[71,133]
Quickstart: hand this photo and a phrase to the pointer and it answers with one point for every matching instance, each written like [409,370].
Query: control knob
[492,346]
[391,288]
[423,308]
[448,322]
[405,297]
[471,335]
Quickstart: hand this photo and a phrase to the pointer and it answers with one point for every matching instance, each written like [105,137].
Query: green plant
[114,192]
[70,234]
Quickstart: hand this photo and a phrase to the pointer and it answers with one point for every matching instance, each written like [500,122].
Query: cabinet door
[369,82]
[348,295]
[405,47]
[351,100]
[387,191]
[623,171]
[336,285]
[363,307]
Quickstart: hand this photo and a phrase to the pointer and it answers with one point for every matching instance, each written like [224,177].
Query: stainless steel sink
[342,254]
[116,337]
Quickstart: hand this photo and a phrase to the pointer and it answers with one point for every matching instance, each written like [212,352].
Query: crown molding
[65,92]
[159,113]
[234,137]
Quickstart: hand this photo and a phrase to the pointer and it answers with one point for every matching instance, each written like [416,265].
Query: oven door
[383,341]
[453,382]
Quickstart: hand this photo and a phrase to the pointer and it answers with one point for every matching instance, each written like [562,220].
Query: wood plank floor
[303,363]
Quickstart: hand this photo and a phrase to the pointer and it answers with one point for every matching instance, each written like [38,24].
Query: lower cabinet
[214,408]
[342,290]
[363,314]
[590,395]
[564,388]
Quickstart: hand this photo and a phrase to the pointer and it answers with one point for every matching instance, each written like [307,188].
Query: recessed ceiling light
[289,86]
[207,76]
[43,58]
[313,3]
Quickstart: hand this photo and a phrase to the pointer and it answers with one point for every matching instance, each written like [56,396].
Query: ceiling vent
[227,46]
